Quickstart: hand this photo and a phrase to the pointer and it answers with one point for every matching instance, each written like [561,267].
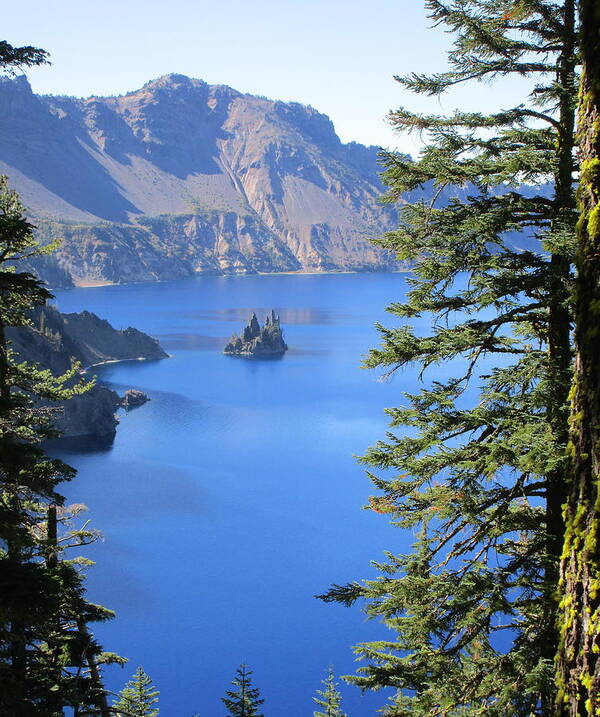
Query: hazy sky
[337,55]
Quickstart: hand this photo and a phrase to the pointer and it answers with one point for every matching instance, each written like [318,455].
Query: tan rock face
[181,177]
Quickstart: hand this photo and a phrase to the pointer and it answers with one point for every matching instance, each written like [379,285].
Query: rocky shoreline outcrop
[134,399]
[257,340]
[55,341]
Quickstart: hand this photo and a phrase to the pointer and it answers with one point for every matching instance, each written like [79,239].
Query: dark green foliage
[329,699]
[244,700]
[13,58]
[48,659]
[139,697]
[477,455]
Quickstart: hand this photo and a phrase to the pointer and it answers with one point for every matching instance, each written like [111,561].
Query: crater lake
[234,496]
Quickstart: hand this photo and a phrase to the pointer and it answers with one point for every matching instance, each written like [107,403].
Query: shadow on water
[77,445]
[191,342]
[249,357]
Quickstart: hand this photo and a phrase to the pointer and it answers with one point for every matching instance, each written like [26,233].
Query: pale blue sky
[337,55]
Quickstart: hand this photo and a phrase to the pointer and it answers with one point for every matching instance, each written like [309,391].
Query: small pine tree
[329,699]
[243,701]
[139,697]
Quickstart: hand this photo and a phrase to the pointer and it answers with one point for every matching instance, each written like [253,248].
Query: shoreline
[108,361]
[91,284]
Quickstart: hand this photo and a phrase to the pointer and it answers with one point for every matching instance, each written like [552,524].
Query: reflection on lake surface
[288,315]
[232,497]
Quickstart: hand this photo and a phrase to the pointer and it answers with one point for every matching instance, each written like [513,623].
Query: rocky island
[258,341]
[134,399]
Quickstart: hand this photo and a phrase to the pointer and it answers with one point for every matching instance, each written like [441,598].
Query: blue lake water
[233,497]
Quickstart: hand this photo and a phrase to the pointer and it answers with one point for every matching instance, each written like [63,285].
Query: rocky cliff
[181,177]
[55,340]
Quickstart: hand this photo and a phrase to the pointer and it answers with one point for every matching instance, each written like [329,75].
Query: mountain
[181,177]
[55,340]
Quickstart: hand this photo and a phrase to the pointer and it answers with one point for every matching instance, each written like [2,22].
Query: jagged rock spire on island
[258,341]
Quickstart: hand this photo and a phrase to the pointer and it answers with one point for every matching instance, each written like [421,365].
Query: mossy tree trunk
[578,666]
[559,328]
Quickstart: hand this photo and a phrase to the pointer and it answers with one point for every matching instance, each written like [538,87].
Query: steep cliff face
[182,177]
[55,340]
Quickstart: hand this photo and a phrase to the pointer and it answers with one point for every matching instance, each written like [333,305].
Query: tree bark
[98,691]
[559,335]
[578,666]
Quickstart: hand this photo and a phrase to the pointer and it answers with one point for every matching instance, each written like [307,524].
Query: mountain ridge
[181,177]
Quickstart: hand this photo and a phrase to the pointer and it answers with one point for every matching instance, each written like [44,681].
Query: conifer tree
[48,659]
[478,453]
[578,663]
[14,58]
[244,700]
[139,697]
[329,699]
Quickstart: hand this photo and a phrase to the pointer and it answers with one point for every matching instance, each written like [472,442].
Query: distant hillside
[182,177]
